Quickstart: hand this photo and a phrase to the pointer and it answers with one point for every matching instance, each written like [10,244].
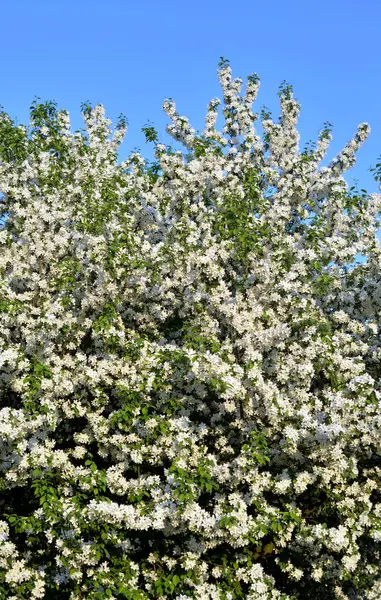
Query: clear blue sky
[130,56]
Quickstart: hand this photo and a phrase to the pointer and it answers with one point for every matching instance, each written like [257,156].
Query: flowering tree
[190,361]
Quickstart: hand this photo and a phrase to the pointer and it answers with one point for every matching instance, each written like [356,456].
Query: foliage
[190,361]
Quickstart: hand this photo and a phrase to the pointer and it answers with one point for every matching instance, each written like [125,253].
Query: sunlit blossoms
[190,399]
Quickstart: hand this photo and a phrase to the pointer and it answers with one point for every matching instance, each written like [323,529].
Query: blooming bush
[190,361]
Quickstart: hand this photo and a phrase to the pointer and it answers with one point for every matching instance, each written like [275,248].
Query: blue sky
[130,56]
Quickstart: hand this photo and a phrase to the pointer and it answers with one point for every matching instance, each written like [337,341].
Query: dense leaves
[190,361]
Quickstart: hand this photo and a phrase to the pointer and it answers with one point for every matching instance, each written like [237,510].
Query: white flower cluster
[190,402]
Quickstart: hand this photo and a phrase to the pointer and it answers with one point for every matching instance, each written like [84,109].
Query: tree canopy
[189,360]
